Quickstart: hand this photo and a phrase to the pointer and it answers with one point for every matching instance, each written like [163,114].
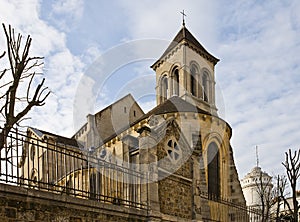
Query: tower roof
[255,173]
[184,36]
[173,105]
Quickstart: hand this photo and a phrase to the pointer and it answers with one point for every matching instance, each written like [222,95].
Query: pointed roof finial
[183,22]
[257,160]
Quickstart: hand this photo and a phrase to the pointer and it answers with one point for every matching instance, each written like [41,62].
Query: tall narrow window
[193,88]
[176,82]
[164,88]
[92,186]
[213,161]
[95,185]
[32,152]
[193,80]
[69,186]
[205,86]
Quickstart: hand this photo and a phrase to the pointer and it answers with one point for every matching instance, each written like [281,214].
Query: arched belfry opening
[164,88]
[183,63]
[205,86]
[194,80]
[175,80]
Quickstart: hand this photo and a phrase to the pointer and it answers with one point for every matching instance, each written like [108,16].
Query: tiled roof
[109,125]
[185,35]
[58,138]
[175,104]
[119,100]
[172,105]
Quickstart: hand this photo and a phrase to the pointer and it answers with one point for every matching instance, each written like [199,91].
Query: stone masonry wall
[19,204]
[175,197]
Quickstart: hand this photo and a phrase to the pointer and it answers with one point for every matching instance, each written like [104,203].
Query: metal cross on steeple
[183,22]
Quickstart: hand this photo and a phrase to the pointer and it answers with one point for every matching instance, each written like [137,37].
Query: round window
[173,150]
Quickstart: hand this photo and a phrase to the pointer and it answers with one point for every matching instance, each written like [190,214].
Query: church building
[175,159]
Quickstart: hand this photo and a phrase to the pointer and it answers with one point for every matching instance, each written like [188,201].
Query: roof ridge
[120,99]
[63,139]
[175,104]
[49,133]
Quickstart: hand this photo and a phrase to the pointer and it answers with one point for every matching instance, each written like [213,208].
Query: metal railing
[233,211]
[45,164]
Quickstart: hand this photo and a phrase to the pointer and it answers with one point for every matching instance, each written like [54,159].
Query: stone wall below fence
[18,204]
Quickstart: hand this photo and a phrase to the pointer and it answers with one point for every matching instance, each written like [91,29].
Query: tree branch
[3,54]
[22,66]
[292,166]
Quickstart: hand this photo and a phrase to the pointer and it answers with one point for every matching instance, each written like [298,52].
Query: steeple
[186,69]
[185,37]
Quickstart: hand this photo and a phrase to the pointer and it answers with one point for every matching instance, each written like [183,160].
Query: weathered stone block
[3,201]
[26,215]
[41,216]
[13,203]
[10,212]
[76,219]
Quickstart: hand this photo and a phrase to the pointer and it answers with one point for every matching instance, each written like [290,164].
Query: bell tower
[186,69]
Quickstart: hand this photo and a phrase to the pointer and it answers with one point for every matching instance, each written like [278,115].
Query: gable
[173,149]
[117,116]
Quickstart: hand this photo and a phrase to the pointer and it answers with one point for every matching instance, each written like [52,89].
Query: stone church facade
[181,147]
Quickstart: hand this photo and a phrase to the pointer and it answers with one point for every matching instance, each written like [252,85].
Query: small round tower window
[173,150]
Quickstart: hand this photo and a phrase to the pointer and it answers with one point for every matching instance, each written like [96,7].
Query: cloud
[259,76]
[257,42]
[62,69]
[68,8]
[165,20]
[66,14]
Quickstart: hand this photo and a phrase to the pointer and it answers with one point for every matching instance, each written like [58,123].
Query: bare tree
[279,195]
[292,166]
[265,192]
[21,67]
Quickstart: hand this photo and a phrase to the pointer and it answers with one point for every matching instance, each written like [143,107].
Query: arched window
[205,86]
[32,152]
[33,179]
[194,72]
[213,161]
[176,81]
[69,186]
[164,88]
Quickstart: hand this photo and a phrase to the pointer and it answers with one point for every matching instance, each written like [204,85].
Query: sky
[258,76]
